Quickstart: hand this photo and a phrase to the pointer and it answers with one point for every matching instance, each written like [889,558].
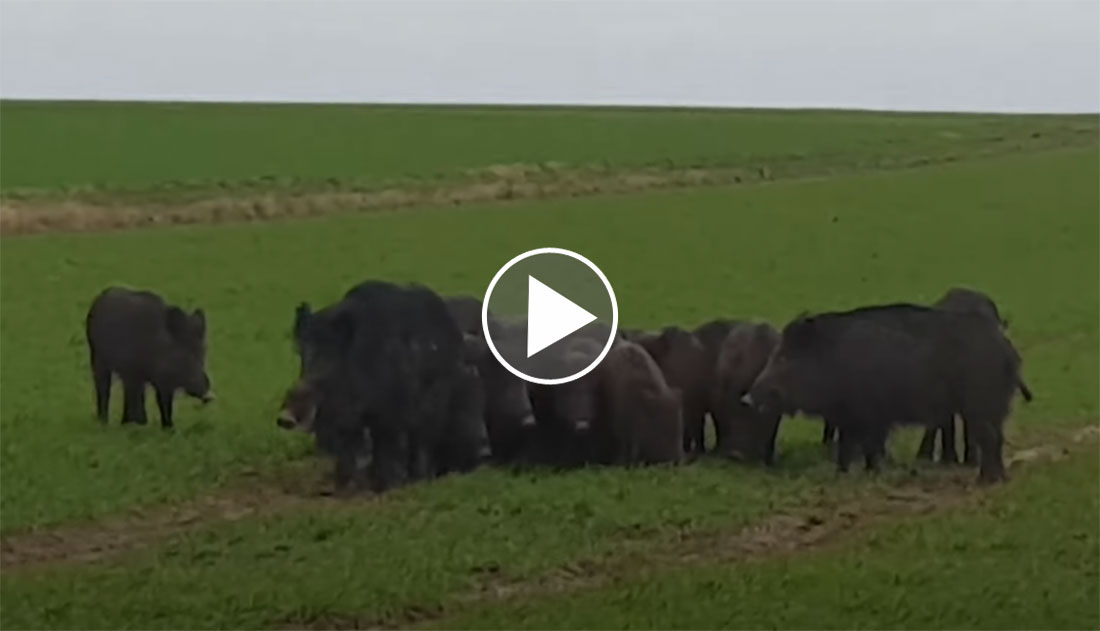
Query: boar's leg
[165,397]
[696,418]
[927,444]
[828,433]
[133,393]
[874,447]
[700,424]
[344,471]
[948,454]
[422,465]
[626,449]
[344,446]
[772,432]
[693,431]
[970,453]
[346,449]
[946,431]
[991,443]
[390,462]
[720,420]
[722,431]
[845,449]
[101,377]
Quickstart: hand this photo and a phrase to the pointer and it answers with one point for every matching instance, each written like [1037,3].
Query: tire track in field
[102,540]
[826,522]
[785,533]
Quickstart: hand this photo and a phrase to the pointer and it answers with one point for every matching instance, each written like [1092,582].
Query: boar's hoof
[991,478]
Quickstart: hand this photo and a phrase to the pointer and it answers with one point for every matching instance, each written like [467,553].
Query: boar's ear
[176,321]
[302,316]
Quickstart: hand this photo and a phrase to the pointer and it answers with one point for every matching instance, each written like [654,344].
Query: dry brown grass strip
[19,217]
[81,211]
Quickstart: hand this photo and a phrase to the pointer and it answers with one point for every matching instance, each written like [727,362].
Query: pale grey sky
[980,55]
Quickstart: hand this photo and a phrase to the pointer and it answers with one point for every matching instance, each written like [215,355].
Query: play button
[550,316]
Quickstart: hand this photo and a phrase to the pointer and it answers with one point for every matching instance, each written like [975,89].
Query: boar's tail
[1024,390]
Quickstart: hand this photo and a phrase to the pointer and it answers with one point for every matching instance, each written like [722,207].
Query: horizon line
[543,104]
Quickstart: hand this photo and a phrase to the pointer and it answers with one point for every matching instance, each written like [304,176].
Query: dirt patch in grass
[824,522]
[815,524]
[95,541]
[92,210]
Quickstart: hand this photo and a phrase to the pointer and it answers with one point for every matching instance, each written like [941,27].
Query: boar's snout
[764,397]
[299,408]
[286,420]
[200,388]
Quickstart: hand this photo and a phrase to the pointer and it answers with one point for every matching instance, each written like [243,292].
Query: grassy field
[599,548]
[218,148]
[994,566]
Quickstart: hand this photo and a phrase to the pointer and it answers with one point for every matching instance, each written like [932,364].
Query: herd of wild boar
[397,383]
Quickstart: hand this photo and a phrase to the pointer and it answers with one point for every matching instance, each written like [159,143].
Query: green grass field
[218,147]
[592,549]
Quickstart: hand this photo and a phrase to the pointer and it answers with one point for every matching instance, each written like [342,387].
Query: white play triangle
[550,316]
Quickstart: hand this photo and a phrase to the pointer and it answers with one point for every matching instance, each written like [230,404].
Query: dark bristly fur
[640,420]
[868,369]
[683,362]
[143,340]
[743,432]
[387,359]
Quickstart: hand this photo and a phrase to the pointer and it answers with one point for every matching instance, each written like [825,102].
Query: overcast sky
[981,55]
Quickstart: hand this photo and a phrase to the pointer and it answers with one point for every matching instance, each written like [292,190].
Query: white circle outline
[614,316]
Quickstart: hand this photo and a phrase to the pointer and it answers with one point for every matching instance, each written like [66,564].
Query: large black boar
[683,362]
[387,359]
[434,349]
[958,300]
[963,300]
[640,416]
[143,340]
[743,432]
[868,369]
